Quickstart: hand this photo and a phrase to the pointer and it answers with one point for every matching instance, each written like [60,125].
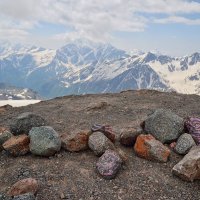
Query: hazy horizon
[169,26]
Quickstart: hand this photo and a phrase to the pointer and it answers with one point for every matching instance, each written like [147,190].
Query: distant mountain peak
[84,42]
[83,66]
[134,52]
[8,92]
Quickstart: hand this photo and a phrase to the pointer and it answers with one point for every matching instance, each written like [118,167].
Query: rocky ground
[73,175]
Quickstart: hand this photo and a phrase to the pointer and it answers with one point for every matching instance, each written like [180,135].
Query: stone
[62,195]
[164,125]
[128,136]
[27,196]
[28,185]
[98,106]
[24,122]
[99,143]
[172,145]
[17,145]
[184,143]
[148,147]
[76,142]
[4,136]
[109,164]
[192,125]
[44,141]
[122,155]
[107,130]
[188,168]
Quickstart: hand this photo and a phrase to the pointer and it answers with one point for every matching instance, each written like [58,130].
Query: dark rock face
[109,164]
[24,122]
[44,141]
[164,125]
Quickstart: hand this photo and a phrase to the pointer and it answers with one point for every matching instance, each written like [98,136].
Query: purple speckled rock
[109,164]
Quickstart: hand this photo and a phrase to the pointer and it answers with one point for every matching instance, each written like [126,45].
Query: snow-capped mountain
[14,93]
[82,66]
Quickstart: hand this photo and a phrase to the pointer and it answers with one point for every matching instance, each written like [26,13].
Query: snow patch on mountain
[8,92]
[83,66]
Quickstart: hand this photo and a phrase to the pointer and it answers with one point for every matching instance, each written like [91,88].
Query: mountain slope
[8,92]
[83,67]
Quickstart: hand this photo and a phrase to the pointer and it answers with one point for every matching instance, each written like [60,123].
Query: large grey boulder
[109,164]
[188,168]
[164,125]
[184,144]
[99,143]
[24,122]
[44,141]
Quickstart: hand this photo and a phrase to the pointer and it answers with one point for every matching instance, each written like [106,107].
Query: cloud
[13,34]
[93,19]
[167,6]
[178,19]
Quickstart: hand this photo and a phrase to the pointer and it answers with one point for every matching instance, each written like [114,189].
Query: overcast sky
[169,26]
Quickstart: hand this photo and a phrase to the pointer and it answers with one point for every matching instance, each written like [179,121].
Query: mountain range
[8,92]
[82,66]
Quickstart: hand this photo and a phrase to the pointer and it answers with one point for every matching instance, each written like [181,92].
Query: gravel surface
[73,175]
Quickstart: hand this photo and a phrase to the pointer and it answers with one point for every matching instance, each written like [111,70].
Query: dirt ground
[74,175]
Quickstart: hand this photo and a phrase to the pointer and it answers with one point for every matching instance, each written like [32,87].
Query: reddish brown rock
[17,145]
[128,136]
[110,135]
[148,147]
[75,142]
[28,185]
